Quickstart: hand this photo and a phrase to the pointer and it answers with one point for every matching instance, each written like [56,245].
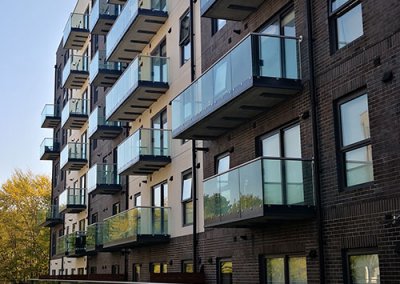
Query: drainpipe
[194,172]
[126,254]
[316,135]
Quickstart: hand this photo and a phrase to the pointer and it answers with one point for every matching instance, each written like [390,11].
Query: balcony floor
[72,209]
[106,78]
[106,132]
[235,10]
[52,222]
[139,34]
[103,24]
[75,165]
[49,155]
[139,100]
[106,189]
[76,39]
[140,240]
[76,121]
[272,214]
[51,121]
[146,165]
[252,99]
[76,79]
[117,2]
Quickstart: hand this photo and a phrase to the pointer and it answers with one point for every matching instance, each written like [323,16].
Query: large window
[222,163]
[362,268]
[158,267]
[355,151]
[346,21]
[285,270]
[184,37]
[225,271]
[187,201]
[187,266]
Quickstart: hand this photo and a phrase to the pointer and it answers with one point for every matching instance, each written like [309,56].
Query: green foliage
[24,245]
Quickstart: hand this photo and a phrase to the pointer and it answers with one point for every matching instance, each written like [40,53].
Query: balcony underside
[76,254]
[139,100]
[73,209]
[106,189]
[140,240]
[103,24]
[50,155]
[272,214]
[51,121]
[76,79]
[76,39]
[251,99]
[75,165]
[235,10]
[52,222]
[75,121]
[146,165]
[117,2]
[139,34]
[106,78]
[106,132]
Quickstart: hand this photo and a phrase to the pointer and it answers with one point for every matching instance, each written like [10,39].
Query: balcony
[76,31]
[100,128]
[134,28]
[62,245]
[49,150]
[103,179]
[135,227]
[144,152]
[102,17]
[256,75]
[74,114]
[51,217]
[74,157]
[72,200]
[75,72]
[142,83]
[94,237]
[72,245]
[50,116]
[235,10]
[102,72]
[117,2]
[261,191]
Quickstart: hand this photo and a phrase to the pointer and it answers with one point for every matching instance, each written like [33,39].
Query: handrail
[137,207]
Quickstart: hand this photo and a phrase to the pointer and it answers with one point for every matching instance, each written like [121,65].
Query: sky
[30,32]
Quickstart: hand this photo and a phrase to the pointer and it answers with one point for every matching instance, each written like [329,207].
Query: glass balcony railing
[75,67]
[128,226]
[50,116]
[62,245]
[102,9]
[50,216]
[98,122]
[103,175]
[72,197]
[264,61]
[94,236]
[77,25]
[99,64]
[143,69]
[144,142]
[128,16]
[73,152]
[76,244]
[74,107]
[49,148]
[243,192]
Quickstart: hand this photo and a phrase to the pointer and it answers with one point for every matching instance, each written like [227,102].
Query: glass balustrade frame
[51,116]
[72,200]
[74,156]
[76,31]
[104,179]
[100,128]
[102,17]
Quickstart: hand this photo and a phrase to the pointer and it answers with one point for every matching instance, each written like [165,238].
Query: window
[187,266]
[73,271]
[222,163]
[60,272]
[116,208]
[93,270]
[224,270]
[346,21]
[81,271]
[74,227]
[160,142]
[115,269]
[158,267]
[137,202]
[136,272]
[159,202]
[95,218]
[362,267]
[355,151]
[53,272]
[184,38]
[187,202]
[216,25]
[285,270]
[82,225]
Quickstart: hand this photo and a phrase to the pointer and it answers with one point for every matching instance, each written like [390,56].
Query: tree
[24,245]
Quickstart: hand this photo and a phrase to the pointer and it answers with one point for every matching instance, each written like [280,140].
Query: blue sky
[30,32]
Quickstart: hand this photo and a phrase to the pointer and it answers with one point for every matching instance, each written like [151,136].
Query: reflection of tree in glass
[364,269]
[215,205]
[298,270]
[248,201]
[275,270]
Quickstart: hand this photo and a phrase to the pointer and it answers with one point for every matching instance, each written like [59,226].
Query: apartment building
[269,125]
